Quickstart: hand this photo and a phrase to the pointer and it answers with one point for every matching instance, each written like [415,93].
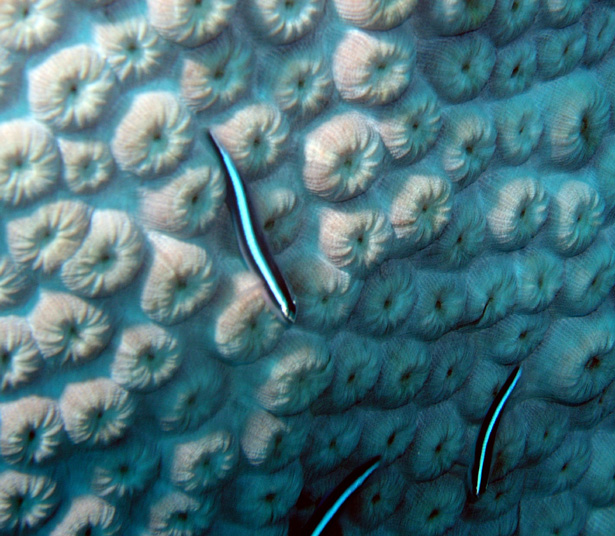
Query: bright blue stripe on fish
[500,401]
[250,236]
[345,493]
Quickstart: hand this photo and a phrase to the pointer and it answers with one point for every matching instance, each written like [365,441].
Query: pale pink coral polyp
[420,208]
[29,161]
[341,158]
[88,513]
[379,73]
[186,205]
[354,240]
[216,74]
[28,25]
[31,431]
[88,165]
[20,359]
[153,136]
[181,280]
[246,328]
[96,412]
[375,14]
[71,88]
[131,47]
[46,238]
[254,136]
[190,23]
[68,329]
[147,358]
[108,258]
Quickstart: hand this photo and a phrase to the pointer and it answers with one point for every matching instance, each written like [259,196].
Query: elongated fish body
[251,241]
[486,435]
[327,509]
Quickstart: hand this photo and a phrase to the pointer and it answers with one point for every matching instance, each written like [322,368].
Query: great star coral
[436,181]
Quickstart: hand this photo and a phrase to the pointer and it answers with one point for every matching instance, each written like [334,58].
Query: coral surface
[436,182]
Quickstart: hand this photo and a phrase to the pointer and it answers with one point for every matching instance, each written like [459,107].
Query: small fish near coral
[330,505]
[486,435]
[251,241]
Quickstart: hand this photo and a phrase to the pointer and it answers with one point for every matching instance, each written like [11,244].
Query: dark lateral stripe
[486,436]
[251,241]
[327,509]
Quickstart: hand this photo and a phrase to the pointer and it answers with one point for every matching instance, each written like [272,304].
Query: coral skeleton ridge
[253,251]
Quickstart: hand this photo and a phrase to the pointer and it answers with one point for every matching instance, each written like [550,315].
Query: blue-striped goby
[327,509]
[251,241]
[486,436]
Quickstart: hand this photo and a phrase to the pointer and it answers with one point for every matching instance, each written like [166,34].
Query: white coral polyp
[68,329]
[96,412]
[517,208]
[342,157]
[216,74]
[304,85]
[294,375]
[133,49]
[181,279]
[108,258]
[420,209]
[71,89]
[88,165]
[46,238]
[29,25]
[147,358]
[179,514]
[245,327]
[576,217]
[355,240]
[375,14]
[469,146]
[31,430]
[154,135]
[20,359]
[186,205]
[254,136]
[285,22]
[190,23]
[13,282]
[379,73]
[29,161]
[88,514]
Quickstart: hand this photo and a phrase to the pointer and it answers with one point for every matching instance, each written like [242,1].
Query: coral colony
[416,334]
